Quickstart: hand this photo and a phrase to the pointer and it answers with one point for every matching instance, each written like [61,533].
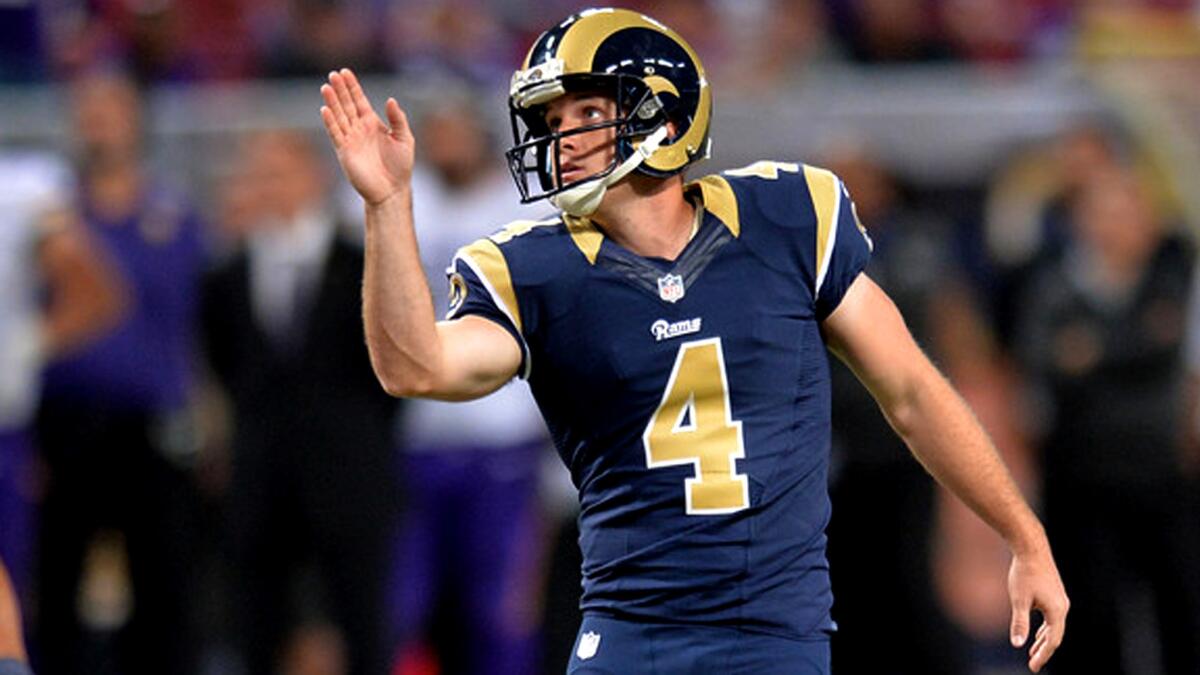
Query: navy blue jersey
[689,399]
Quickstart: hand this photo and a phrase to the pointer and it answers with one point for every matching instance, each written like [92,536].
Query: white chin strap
[583,199]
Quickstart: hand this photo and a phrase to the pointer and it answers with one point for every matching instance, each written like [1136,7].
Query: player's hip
[611,646]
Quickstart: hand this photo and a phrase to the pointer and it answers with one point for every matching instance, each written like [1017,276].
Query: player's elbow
[921,401]
[405,382]
[904,415]
[407,386]
[908,403]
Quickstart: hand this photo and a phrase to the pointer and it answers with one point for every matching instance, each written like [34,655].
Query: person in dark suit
[311,495]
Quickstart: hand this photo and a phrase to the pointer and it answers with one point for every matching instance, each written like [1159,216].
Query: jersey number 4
[693,425]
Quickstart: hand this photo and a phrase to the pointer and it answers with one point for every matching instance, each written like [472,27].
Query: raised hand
[377,158]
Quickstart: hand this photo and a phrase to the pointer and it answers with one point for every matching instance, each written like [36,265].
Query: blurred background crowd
[198,473]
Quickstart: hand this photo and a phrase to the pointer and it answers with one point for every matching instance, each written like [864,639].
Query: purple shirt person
[113,427]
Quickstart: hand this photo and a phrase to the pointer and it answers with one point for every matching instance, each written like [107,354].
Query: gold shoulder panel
[586,235]
[519,227]
[485,258]
[720,200]
[825,193]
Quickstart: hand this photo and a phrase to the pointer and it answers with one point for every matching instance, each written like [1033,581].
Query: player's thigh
[606,646]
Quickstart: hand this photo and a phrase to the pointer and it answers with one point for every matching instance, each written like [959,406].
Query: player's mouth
[571,172]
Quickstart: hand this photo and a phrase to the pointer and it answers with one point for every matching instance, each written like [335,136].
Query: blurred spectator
[22,41]
[463,39]
[55,294]
[987,31]
[312,493]
[113,427]
[1028,209]
[152,40]
[771,45]
[883,501]
[890,31]
[321,35]
[471,545]
[1191,422]
[1101,334]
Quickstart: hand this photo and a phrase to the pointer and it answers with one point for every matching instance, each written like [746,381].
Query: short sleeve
[481,285]
[843,246]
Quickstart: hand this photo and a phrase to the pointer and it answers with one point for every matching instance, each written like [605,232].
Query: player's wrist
[399,198]
[1029,541]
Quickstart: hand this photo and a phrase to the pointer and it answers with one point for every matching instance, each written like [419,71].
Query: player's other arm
[867,332]
[411,353]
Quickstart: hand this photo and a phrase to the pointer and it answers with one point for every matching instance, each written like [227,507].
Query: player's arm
[411,353]
[867,332]
[85,296]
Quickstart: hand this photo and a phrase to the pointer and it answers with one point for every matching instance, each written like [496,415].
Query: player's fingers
[1049,637]
[331,127]
[1043,647]
[342,88]
[397,119]
[1019,630]
[335,109]
[361,103]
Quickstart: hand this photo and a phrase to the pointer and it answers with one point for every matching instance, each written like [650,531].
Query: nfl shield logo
[588,644]
[670,287]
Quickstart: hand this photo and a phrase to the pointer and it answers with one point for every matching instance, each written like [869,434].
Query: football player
[673,333]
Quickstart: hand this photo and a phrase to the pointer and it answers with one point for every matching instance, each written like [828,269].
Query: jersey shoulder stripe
[826,192]
[485,259]
[802,219]
[720,200]
[488,264]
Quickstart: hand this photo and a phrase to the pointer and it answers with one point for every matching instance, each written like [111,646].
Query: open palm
[377,158]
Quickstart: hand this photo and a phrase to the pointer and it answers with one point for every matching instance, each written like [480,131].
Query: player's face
[590,152]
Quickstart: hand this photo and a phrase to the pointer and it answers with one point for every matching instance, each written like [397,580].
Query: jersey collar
[713,192]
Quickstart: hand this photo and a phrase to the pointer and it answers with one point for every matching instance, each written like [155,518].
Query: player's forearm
[944,435]
[398,314]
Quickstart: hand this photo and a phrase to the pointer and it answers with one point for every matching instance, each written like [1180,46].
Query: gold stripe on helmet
[675,155]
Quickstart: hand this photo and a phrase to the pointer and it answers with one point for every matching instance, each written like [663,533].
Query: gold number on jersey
[693,425]
[765,169]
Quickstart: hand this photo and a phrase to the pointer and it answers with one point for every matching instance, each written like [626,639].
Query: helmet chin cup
[583,199]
